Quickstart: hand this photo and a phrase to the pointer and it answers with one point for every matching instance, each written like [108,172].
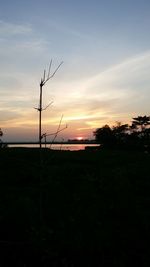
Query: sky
[105,76]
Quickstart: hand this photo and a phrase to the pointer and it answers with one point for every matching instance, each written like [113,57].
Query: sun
[79,138]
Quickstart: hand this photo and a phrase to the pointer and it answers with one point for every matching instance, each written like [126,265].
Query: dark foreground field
[74,208]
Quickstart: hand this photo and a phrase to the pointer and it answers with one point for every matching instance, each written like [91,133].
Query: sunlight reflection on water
[71,147]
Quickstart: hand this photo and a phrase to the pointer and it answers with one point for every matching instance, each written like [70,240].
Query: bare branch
[58,130]
[43,135]
[60,122]
[55,132]
[56,70]
[49,70]
[48,105]
[44,75]
[51,76]
[40,108]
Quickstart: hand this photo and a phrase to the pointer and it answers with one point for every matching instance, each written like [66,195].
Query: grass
[76,208]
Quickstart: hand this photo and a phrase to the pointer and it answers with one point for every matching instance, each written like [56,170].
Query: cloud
[118,81]
[87,101]
[10,29]
[6,116]
[115,94]
[20,47]
[82,109]
[67,30]
[129,75]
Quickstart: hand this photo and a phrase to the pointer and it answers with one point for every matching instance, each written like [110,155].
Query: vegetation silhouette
[141,121]
[1,133]
[95,208]
[125,136]
[2,145]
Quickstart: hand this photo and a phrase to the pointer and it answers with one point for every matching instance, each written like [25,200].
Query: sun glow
[79,138]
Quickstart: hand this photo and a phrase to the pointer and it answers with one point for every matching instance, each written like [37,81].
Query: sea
[71,147]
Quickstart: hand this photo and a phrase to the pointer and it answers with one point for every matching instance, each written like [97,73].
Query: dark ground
[84,208]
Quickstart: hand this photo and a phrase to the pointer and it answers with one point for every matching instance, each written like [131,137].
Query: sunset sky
[105,77]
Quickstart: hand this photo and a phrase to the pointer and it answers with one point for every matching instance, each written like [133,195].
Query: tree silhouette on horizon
[135,136]
[1,134]
[141,121]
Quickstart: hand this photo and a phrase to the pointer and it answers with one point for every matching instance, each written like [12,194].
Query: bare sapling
[46,77]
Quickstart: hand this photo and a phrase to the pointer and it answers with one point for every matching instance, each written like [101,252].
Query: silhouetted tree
[104,135]
[120,128]
[141,122]
[124,135]
[133,128]
[134,136]
[140,134]
[44,80]
[115,136]
[1,134]
[120,132]
[146,135]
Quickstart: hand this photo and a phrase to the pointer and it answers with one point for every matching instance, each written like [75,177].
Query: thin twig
[48,105]
[55,132]
[58,131]
[51,76]
[49,70]
[44,75]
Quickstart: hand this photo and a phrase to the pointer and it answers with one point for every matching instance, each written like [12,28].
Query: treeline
[2,145]
[1,134]
[134,136]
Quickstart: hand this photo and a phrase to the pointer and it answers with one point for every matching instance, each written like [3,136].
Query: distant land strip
[71,142]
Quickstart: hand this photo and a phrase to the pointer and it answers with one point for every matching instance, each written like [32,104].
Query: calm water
[59,146]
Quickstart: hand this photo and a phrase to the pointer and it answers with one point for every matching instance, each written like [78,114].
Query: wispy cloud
[10,29]
[129,74]
[114,94]
[86,102]
[66,29]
